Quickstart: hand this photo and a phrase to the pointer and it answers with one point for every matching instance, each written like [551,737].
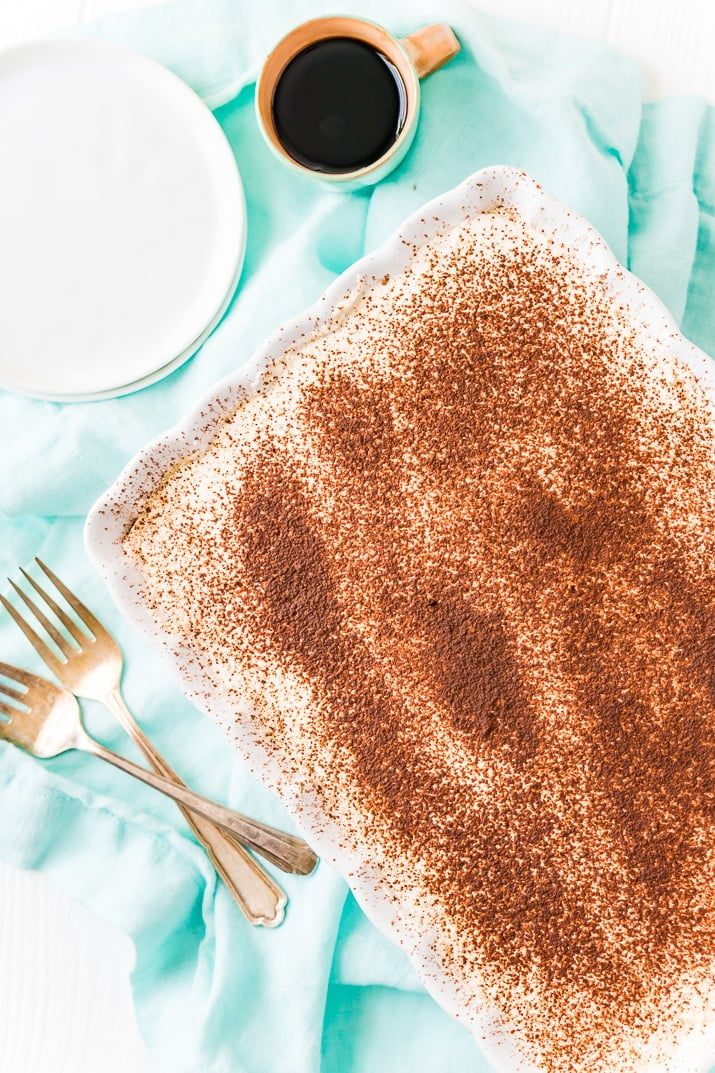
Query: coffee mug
[338,98]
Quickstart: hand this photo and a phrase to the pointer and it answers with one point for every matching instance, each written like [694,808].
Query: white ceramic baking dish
[495,188]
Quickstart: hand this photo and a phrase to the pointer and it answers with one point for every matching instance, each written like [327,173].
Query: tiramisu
[453,557]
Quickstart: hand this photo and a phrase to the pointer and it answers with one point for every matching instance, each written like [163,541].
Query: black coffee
[339,105]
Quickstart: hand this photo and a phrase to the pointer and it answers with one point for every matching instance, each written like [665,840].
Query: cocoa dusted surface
[493,525]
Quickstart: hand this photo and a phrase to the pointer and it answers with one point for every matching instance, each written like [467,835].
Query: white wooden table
[65,1003]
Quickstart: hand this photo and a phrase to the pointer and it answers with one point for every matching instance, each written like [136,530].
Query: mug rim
[303,36]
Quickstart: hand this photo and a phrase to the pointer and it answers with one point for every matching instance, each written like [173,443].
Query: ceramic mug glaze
[412,57]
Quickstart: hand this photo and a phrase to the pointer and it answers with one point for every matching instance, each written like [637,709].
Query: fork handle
[294,851]
[259,897]
[117,705]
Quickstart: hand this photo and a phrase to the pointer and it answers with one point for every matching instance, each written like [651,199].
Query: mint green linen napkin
[326,993]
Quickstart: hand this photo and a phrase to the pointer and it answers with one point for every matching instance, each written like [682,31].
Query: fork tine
[83,613]
[9,691]
[62,643]
[6,710]
[72,628]
[16,674]
[35,640]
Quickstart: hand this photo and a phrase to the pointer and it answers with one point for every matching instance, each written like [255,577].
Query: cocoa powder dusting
[478,535]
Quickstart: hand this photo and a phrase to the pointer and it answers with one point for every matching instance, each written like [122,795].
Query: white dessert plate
[122,220]
[165,370]
[497,188]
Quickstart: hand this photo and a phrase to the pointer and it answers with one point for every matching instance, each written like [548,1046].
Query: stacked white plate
[122,221]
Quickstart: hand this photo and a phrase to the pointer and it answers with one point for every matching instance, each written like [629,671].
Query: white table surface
[65,1001]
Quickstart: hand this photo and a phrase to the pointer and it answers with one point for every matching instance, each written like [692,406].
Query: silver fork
[91,667]
[45,720]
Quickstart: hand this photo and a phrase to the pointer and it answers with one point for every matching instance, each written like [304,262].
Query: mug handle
[430,47]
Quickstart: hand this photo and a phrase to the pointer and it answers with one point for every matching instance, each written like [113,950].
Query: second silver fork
[93,670]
